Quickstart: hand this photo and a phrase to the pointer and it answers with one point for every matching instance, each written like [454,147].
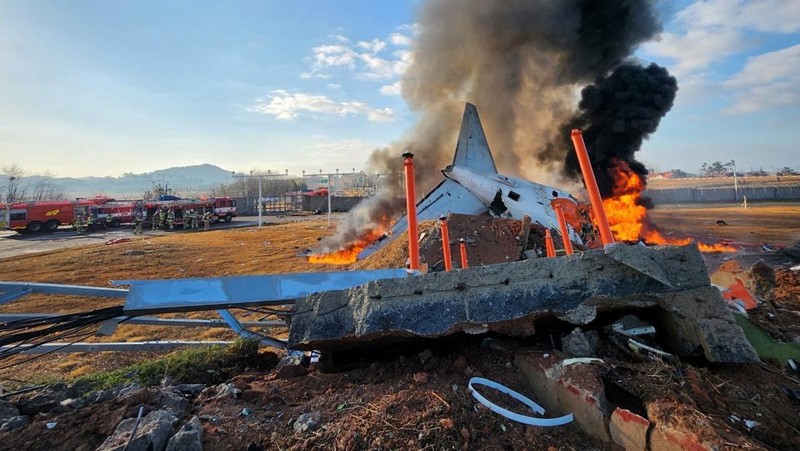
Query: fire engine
[44,215]
[221,208]
[33,217]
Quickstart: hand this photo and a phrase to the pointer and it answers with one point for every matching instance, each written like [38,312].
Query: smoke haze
[521,62]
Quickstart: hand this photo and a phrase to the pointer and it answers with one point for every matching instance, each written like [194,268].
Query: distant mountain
[185,181]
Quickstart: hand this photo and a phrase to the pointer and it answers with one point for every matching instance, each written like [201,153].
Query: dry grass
[273,249]
[774,224]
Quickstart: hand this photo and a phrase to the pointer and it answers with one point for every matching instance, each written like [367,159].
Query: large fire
[628,218]
[349,253]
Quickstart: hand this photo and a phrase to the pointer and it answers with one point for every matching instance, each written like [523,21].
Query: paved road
[14,244]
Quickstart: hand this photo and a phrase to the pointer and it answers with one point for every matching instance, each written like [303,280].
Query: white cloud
[768,80]
[309,75]
[394,89]
[369,60]
[374,46]
[285,106]
[400,39]
[698,48]
[334,55]
[782,16]
[334,86]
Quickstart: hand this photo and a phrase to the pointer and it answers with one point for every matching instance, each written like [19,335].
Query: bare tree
[45,189]
[12,175]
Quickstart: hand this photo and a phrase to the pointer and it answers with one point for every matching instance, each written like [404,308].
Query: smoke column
[521,63]
[616,114]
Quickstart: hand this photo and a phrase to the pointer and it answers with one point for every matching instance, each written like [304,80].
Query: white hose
[524,419]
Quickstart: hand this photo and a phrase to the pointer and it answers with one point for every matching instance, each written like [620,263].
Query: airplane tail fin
[472,150]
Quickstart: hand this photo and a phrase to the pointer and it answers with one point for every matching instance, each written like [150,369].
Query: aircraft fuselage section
[512,197]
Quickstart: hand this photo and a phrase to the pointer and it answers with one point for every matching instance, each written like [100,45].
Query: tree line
[14,190]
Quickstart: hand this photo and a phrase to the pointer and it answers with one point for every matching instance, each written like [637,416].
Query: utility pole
[260,177]
[330,191]
[735,183]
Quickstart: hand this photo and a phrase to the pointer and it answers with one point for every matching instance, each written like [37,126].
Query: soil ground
[398,399]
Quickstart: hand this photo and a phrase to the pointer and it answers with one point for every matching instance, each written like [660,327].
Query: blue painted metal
[163,296]
[153,321]
[113,347]
[244,333]
[13,290]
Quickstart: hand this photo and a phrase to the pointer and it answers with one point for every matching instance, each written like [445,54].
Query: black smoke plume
[616,114]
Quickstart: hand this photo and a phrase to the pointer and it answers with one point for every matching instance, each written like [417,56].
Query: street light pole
[735,183]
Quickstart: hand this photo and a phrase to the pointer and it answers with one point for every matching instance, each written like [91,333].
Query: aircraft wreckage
[335,312]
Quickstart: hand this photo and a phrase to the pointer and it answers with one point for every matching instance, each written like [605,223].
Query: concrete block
[629,430]
[511,298]
[576,389]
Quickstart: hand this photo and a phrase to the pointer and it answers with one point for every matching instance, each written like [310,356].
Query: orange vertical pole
[591,186]
[562,224]
[548,243]
[448,261]
[411,208]
[463,247]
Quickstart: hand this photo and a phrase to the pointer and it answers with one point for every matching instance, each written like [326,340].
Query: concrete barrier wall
[700,194]
[247,206]
[320,203]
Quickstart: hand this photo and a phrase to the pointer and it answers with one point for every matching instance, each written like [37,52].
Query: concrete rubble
[514,298]
[565,387]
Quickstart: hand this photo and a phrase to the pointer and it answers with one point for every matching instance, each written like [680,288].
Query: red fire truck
[221,208]
[45,215]
[33,217]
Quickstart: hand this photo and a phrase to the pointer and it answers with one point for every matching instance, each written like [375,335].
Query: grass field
[273,249]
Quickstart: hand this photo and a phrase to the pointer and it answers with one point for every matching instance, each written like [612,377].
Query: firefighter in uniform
[192,215]
[154,220]
[171,219]
[78,222]
[109,222]
[90,223]
[137,222]
[207,220]
[162,218]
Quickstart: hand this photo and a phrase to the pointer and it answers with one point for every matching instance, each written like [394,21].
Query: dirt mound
[488,240]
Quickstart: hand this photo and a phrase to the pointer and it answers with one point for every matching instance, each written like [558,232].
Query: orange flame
[628,218]
[349,253]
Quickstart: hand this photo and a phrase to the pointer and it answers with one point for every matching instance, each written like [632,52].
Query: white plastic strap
[524,419]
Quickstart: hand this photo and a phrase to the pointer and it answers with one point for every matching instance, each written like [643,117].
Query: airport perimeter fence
[288,204]
[783,192]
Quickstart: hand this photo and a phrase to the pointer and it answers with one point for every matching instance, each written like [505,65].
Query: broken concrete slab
[577,389]
[511,298]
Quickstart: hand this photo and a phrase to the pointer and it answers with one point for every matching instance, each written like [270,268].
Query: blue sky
[109,87]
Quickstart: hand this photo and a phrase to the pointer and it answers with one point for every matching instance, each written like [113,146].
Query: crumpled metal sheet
[172,295]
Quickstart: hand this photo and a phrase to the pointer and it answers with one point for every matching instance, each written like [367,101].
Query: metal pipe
[562,225]
[591,186]
[411,207]
[329,200]
[448,261]
[463,247]
[260,201]
[548,244]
